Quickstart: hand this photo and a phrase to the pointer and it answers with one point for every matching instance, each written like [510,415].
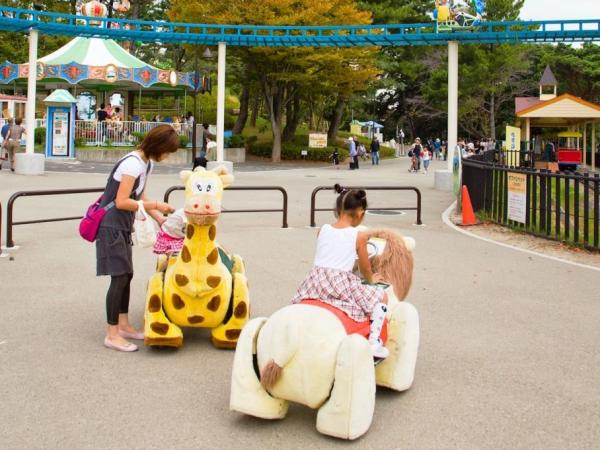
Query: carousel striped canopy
[94,52]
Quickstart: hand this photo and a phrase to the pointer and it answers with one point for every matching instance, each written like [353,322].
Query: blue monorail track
[21,20]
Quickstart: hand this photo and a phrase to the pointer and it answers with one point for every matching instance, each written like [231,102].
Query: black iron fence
[10,222]
[563,206]
[283,209]
[416,208]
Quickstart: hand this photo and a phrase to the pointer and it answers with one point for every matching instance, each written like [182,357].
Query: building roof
[564,106]
[60,96]
[548,78]
[522,103]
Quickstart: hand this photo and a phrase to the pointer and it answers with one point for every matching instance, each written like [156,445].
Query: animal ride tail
[270,375]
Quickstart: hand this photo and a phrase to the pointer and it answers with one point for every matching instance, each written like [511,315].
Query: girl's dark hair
[159,140]
[349,200]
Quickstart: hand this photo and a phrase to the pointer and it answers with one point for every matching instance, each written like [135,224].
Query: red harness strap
[351,326]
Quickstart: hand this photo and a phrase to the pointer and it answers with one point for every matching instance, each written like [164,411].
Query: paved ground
[508,359]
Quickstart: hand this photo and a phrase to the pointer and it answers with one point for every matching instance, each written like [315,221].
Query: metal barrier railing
[283,210]
[313,207]
[11,201]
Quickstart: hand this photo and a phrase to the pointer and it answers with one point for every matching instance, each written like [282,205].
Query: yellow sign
[517,196]
[317,140]
[513,146]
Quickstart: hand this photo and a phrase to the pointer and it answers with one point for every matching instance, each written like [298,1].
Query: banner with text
[317,140]
[513,146]
[517,196]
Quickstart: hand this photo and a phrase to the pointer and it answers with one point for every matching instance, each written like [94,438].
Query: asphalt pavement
[508,357]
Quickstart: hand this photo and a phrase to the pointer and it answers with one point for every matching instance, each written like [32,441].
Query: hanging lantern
[122,6]
[94,9]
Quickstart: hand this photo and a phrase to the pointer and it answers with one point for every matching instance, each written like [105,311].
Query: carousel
[100,71]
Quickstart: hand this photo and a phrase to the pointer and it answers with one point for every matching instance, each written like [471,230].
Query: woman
[125,186]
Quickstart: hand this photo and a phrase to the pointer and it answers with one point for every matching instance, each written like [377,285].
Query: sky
[560,9]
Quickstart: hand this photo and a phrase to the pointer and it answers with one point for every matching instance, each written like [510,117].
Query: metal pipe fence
[122,133]
[562,206]
[10,222]
[283,210]
[314,209]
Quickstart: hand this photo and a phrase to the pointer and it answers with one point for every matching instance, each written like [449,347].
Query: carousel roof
[94,52]
[98,60]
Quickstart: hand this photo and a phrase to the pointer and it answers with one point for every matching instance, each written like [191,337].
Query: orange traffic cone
[468,216]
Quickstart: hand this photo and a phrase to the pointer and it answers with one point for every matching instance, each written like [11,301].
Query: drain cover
[384,212]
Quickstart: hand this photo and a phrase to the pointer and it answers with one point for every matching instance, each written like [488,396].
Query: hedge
[291,151]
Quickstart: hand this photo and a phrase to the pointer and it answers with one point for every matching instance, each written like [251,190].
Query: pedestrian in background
[375,152]
[13,141]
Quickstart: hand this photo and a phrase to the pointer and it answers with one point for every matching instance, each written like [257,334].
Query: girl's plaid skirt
[341,289]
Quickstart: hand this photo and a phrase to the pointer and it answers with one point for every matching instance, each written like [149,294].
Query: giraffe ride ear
[184,175]
[224,175]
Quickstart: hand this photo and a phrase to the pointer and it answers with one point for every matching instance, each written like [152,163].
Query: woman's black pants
[117,297]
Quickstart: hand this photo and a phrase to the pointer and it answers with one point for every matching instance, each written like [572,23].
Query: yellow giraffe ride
[202,286]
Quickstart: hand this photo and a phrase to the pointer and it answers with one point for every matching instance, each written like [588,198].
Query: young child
[169,239]
[335,156]
[331,279]
[426,158]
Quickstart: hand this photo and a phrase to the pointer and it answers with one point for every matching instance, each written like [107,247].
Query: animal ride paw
[162,334]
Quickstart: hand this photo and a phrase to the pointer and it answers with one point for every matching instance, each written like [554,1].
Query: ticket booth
[60,124]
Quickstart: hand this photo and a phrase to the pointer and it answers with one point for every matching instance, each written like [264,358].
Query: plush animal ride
[305,354]
[202,286]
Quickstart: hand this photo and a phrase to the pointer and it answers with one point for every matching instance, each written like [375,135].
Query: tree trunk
[493,117]
[274,103]
[336,120]
[292,119]
[240,123]
[255,107]
[135,14]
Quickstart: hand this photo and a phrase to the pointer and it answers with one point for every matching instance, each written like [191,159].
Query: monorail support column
[444,179]
[30,163]
[221,110]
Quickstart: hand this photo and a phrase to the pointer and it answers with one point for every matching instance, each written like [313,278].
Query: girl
[125,186]
[169,239]
[335,156]
[331,279]
[426,158]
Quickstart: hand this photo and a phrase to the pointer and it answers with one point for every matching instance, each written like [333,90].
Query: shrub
[235,141]
[387,152]
[250,141]
[291,151]
[80,141]
[39,135]
[139,136]
[183,141]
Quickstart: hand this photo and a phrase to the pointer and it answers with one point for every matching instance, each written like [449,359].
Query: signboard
[517,196]
[60,134]
[317,140]
[513,146]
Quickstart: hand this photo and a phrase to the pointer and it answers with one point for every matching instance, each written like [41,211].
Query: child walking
[331,279]
[335,156]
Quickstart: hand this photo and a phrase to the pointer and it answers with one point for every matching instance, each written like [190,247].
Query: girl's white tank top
[336,248]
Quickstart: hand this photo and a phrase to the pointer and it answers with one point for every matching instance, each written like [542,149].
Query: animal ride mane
[396,262]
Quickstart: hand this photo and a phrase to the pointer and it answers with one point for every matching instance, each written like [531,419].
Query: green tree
[286,76]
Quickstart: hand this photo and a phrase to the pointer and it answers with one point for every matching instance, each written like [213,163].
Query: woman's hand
[164,208]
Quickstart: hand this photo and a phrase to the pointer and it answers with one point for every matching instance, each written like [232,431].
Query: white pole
[31,85]
[220,101]
[452,101]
